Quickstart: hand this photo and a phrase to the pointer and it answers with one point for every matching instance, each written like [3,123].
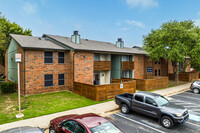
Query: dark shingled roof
[35,42]
[91,45]
[32,42]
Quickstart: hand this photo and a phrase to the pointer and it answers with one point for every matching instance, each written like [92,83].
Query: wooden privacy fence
[104,92]
[122,80]
[186,76]
[151,83]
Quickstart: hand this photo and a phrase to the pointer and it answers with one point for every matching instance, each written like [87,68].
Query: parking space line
[140,123]
[187,102]
[193,112]
[193,124]
[180,103]
[190,106]
[187,97]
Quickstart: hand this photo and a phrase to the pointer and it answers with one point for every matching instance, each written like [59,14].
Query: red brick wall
[36,69]
[84,67]
[170,67]
[148,63]
[2,69]
[164,67]
[139,67]
[151,63]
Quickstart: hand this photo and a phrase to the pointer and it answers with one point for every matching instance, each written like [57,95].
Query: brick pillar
[139,66]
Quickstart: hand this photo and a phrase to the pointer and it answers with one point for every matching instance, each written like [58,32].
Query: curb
[170,94]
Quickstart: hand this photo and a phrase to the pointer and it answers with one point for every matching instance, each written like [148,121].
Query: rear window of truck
[139,98]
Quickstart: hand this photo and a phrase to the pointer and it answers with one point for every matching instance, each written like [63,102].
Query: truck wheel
[196,91]
[167,122]
[124,109]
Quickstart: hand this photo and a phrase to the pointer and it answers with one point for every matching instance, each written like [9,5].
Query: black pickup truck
[153,105]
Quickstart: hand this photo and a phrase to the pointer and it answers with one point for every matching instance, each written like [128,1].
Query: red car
[86,123]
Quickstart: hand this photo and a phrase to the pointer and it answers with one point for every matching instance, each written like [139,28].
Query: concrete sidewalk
[101,109]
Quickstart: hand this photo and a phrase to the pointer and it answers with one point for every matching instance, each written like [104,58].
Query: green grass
[38,105]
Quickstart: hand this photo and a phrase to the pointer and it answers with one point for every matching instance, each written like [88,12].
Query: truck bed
[123,98]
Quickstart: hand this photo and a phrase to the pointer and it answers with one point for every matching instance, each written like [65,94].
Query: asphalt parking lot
[137,123]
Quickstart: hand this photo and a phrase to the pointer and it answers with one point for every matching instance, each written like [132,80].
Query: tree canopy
[174,40]
[6,28]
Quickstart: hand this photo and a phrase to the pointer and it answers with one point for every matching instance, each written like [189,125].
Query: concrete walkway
[101,109]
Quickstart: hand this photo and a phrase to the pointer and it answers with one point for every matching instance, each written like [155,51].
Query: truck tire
[167,122]
[124,109]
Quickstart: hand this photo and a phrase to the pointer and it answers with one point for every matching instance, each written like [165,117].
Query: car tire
[196,90]
[51,130]
[124,109]
[167,122]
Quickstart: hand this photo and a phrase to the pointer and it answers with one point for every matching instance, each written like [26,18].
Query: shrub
[8,87]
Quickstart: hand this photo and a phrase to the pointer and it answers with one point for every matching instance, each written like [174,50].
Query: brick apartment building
[54,63]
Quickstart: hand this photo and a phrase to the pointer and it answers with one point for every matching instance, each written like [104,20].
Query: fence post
[97,96]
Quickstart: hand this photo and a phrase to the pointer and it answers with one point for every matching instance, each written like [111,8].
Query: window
[130,58]
[61,79]
[96,57]
[48,57]
[96,78]
[124,58]
[149,69]
[80,129]
[139,98]
[155,72]
[162,101]
[69,125]
[159,72]
[48,79]
[106,127]
[159,62]
[124,74]
[130,74]
[149,101]
[155,62]
[61,57]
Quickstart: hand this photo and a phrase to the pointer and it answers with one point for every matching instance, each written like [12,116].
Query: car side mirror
[154,104]
[59,125]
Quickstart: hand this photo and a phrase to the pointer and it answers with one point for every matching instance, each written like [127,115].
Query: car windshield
[106,127]
[161,101]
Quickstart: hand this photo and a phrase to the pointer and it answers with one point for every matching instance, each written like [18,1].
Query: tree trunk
[175,71]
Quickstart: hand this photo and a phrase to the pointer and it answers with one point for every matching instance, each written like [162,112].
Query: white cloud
[29,8]
[118,23]
[198,13]
[125,29]
[142,3]
[197,22]
[135,23]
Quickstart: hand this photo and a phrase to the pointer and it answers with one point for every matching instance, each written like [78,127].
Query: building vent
[120,43]
[76,37]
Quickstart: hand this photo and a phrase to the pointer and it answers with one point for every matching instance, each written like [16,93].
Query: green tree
[7,28]
[174,40]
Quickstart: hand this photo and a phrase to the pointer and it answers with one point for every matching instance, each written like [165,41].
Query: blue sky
[102,20]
